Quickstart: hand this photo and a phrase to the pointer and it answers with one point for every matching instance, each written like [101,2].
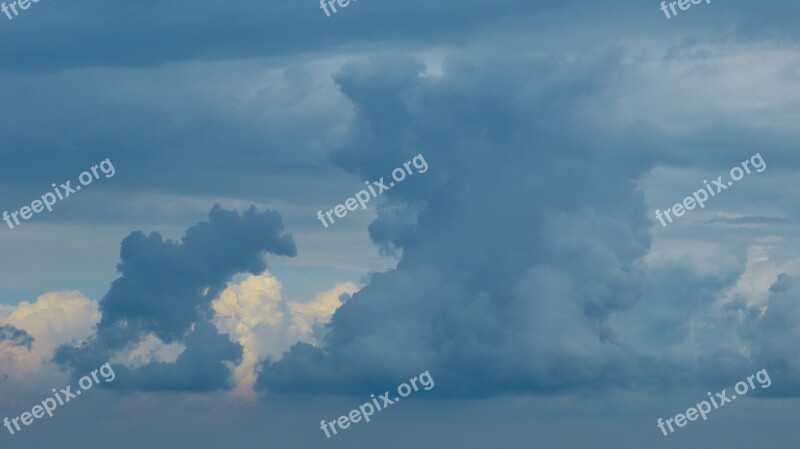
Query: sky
[522,223]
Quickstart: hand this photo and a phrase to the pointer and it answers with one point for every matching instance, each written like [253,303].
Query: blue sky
[525,269]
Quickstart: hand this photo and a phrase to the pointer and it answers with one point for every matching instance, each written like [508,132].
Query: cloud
[55,318]
[165,291]
[489,297]
[528,261]
[747,221]
[257,316]
[37,329]
[149,349]
[262,29]
[132,29]
[15,336]
[203,366]
[771,330]
[531,209]
[166,286]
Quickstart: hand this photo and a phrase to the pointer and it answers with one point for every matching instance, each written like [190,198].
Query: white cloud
[53,319]
[149,349]
[256,315]
[761,271]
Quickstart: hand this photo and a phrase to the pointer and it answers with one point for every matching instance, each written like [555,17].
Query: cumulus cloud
[165,290]
[257,316]
[203,366]
[531,214]
[528,260]
[149,349]
[483,288]
[771,329]
[55,317]
[37,328]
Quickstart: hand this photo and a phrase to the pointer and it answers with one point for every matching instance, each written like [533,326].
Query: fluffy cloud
[165,290]
[169,323]
[771,329]
[39,328]
[530,227]
[521,248]
[253,312]
[527,252]
[257,316]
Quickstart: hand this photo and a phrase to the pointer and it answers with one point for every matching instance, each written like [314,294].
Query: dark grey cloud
[236,118]
[523,247]
[92,33]
[201,367]
[89,33]
[523,242]
[166,288]
[17,337]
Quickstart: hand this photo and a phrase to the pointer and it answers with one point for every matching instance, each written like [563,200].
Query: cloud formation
[257,316]
[165,290]
[527,252]
[36,329]
[489,296]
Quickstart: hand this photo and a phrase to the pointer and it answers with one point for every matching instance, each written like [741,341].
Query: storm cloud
[526,252]
[166,288]
[513,259]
